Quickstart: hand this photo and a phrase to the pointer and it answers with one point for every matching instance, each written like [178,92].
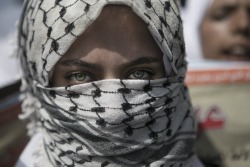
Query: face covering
[109,122]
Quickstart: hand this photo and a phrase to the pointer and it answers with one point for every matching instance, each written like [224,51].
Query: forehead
[118,18]
[118,29]
[221,3]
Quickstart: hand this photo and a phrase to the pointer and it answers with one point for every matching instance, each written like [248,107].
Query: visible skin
[118,45]
[225,30]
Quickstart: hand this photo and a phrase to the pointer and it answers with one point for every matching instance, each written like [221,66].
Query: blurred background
[13,136]
[218,79]
[9,14]
[217,37]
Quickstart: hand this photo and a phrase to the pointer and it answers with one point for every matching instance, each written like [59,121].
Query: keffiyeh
[109,122]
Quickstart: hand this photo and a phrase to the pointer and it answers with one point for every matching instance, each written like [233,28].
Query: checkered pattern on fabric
[125,121]
[112,122]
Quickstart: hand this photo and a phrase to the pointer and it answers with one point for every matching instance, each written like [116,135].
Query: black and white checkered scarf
[109,122]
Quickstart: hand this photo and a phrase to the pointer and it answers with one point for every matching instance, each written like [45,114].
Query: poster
[220,94]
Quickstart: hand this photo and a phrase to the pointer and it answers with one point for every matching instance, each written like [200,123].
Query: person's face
[118,45]
[225,30]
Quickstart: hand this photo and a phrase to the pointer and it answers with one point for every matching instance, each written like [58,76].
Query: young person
[218,30]
[103,83]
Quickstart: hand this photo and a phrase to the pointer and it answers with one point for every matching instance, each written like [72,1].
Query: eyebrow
[81,63]
[142,61]
[227,6]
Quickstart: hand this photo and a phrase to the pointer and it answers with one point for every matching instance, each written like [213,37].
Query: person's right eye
[78,77]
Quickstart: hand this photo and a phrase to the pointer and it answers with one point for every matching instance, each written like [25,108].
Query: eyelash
[149,72]
[221,15]
[74,74]
[90,77]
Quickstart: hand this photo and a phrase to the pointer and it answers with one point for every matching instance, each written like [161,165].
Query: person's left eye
[140,74]
[222,14]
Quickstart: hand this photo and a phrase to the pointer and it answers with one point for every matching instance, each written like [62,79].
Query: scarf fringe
[30,107]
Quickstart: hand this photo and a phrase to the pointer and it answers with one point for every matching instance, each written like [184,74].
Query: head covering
[109,122]
[192,18]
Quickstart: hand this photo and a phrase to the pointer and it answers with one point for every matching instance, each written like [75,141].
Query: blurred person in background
[217,43]
[218,30]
